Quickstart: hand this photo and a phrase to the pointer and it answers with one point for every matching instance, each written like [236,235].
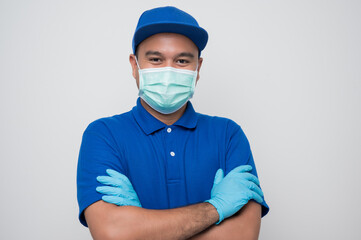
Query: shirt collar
[150,124]
[189,118]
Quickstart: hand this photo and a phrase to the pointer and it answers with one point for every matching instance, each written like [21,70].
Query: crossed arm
[108,221]
[130,221]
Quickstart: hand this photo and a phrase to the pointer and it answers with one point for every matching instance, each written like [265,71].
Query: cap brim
[197,34]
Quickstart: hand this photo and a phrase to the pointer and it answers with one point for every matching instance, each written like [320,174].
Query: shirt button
[172,154]
[169,130]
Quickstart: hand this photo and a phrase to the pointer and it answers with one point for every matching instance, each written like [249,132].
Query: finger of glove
[249,177]
[117,175]
[120,176]
[219,176]
[252,186]
[240,169]
[112,191]
[256,197]
[115,182]
[120,201]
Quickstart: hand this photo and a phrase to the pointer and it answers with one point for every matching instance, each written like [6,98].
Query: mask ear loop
[136,60]
[197,66]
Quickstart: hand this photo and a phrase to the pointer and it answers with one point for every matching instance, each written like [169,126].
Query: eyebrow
[183,54]
[186,54]
[153,53]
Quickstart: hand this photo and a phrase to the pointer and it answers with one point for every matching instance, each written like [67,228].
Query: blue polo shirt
[168,166]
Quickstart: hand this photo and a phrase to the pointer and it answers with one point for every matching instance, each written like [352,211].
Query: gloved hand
[121,191]
[229,194]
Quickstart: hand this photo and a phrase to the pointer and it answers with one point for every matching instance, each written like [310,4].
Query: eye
[155,60]
[182,61]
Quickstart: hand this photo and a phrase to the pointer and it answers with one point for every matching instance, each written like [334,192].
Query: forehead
[167,43]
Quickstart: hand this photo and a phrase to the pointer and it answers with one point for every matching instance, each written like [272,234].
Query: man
[162,170]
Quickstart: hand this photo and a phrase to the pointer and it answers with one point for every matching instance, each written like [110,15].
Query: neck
[167,119]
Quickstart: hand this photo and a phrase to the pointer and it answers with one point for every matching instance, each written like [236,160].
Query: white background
[288,72]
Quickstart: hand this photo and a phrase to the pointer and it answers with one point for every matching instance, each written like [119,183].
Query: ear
[200,61]
[134,66]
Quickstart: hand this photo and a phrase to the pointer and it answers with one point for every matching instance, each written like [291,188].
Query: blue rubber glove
[120,191]
[229,194]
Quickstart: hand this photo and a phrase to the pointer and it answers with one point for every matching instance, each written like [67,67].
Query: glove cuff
[218,208]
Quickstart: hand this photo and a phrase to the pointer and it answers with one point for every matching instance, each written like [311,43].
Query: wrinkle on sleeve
[239,153]
[98,152]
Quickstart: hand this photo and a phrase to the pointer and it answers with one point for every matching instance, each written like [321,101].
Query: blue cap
[169,20]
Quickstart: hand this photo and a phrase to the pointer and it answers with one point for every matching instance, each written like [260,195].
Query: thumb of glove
[219,177]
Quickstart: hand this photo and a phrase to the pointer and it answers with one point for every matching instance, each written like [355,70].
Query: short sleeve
[239,153]
[98,152]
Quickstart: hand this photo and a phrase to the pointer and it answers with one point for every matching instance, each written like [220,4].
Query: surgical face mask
[166,89]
